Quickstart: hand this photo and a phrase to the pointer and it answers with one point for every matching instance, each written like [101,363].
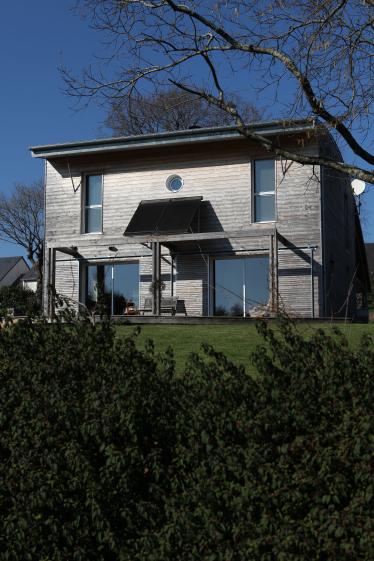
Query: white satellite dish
[358,187]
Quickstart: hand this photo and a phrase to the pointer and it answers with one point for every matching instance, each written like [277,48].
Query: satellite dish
[358,187]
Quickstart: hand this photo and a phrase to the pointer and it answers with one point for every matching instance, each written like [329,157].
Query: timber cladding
[307,221]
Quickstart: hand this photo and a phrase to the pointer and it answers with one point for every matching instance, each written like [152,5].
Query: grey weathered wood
[309,213]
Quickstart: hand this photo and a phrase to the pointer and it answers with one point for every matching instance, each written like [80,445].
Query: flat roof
[180,137]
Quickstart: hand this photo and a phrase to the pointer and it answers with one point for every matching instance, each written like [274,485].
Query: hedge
[106,455]
[22,301]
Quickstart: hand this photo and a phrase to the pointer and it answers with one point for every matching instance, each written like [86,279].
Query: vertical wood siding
[191,284]
[67,280]
[219,172]
[340,258]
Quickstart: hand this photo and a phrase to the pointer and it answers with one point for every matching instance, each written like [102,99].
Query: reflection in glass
[264,176]
[241,286]
[111,288]
[91,287]
[228,287]
[256,284]
[106,287]
[93,190]
[265,208]
[126,287]
[264,190]
[93,219]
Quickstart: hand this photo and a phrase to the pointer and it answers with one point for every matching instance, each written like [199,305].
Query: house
[30,279]
[12,269]
[203,218]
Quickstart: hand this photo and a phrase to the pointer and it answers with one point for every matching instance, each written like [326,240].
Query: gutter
[174,138]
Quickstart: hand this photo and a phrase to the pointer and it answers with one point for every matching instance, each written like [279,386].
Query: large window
[113,288]
[241,286]
[264,190]
[93,203]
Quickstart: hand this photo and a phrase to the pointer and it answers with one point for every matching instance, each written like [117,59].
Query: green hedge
[22,301]
[106,455]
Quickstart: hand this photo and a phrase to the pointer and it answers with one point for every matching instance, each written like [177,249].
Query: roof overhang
[174,138]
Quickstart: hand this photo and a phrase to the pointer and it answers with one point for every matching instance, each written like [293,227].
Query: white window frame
[87,207]
[169,181]
[264,193]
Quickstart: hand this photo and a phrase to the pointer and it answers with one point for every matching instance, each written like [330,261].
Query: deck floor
[212,320]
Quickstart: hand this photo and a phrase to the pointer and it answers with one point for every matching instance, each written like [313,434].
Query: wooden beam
[99,241]
[72,250]
[201,236]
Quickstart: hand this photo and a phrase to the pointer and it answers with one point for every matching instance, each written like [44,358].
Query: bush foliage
[106,455]
[22,301]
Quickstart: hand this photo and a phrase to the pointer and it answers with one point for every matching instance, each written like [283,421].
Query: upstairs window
[264,190]
[93,204]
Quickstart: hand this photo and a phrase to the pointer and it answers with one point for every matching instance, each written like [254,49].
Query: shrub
[106,455]
[21,301]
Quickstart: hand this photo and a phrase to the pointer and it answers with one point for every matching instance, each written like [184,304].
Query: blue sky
[35,38]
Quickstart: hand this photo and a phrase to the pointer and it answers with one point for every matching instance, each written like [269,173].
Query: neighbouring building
[30,279]
[12,269]
[205,218]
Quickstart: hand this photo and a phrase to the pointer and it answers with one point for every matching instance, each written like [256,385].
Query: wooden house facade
[202,222]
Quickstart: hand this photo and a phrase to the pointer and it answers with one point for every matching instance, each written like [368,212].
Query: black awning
[163,216]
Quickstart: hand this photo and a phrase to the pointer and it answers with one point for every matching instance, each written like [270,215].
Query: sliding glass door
[112,288]
[241,286]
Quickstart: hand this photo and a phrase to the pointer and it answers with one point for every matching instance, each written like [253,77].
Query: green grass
[235,341]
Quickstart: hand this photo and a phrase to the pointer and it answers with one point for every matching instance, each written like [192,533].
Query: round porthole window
[174,183]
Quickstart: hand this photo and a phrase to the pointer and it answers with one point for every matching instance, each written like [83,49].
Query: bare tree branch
[273,146]
[22,219]
[324,48]
[170,109]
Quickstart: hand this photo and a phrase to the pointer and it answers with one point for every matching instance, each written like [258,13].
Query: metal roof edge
[207,134]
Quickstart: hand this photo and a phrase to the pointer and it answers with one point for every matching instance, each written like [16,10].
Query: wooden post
[53,280]
[271,274]
[273,281]
[48,284]
[276,276]
[312,280]
[156,279]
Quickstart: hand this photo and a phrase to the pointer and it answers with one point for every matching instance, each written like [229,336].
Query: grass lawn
[235,341]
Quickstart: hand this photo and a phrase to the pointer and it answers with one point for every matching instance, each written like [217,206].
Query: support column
[47,264]
[273,258]
[276,276]
[156,279]
[51,282]
[312,280]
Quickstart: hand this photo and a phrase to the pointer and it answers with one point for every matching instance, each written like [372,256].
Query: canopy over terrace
[175,224]
[181,237]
